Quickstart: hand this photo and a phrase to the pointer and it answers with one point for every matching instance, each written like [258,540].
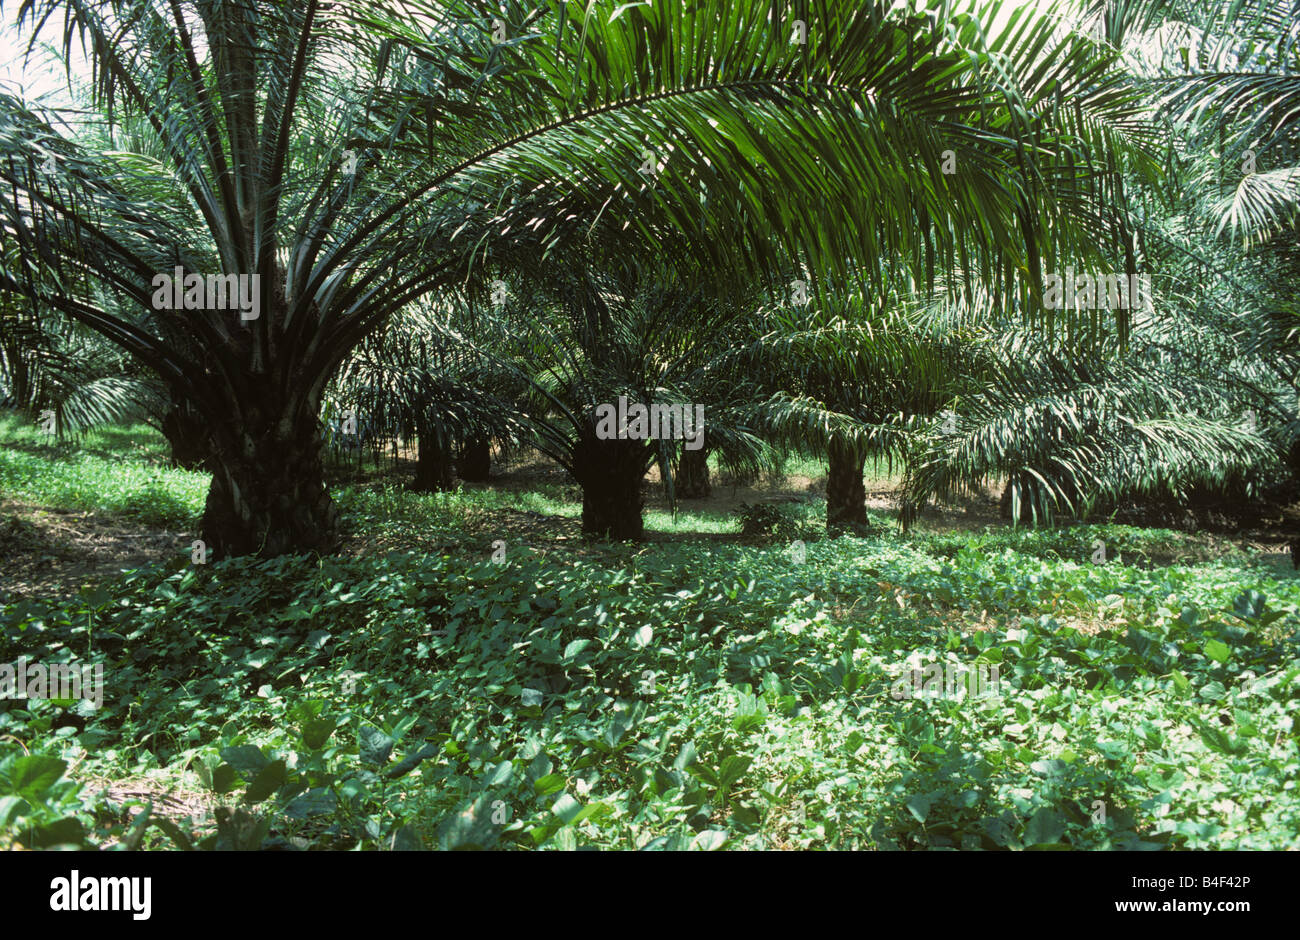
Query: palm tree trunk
[1005,508]
[268,494]
[475,460]
[187,434]
[692,478]
[610,474]
[846,496]
[20,385]
[433,465]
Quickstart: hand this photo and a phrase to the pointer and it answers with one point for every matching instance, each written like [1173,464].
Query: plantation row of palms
[826,222]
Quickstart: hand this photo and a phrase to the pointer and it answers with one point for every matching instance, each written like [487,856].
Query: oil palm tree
[1078,427]
[348,159]
[1222,222]
[615,336]
[430,375]
[53,366]
[853,378]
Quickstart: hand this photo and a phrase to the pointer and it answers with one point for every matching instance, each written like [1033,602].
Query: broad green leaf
[551,783]
[919,806]
[268,780]
[1217,651]
[1045,826]
[709,840]
[316,731]
[375,746]
[574,648]
[33,774]
[246,758]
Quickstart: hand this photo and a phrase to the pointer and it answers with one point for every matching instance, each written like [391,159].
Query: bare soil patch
[51,553]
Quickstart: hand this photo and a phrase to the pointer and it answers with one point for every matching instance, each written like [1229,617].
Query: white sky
[44,74]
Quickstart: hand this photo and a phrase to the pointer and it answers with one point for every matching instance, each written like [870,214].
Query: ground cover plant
[669,695]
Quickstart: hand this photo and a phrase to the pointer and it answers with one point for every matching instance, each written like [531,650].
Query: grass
[112,470]
[124,471]
[395,511]
[814,467]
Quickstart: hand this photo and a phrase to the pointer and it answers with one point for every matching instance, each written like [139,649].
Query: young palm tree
[59,369]
[1077,427]
[850,379]
[51,365]
[608,335]
[1223,221]
[346,159]
[429,378]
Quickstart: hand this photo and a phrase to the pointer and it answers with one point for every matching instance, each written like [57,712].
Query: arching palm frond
[1071,431]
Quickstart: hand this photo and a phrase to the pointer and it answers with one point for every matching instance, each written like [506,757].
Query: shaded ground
[50,553]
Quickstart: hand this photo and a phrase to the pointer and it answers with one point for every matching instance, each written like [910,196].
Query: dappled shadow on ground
[51,553]
[107,442]
[572,633]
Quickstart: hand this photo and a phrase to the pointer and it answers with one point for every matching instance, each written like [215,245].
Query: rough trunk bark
[846,496]
[610,474]
[20,386]
[262,409]
[187,434]
[268,494]
[475,461]
[691,481]
[433,465]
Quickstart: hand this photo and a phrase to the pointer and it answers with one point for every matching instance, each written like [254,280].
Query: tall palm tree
[352,158]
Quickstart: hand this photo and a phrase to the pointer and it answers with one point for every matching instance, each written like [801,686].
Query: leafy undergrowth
[1086,542]
[670,696]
